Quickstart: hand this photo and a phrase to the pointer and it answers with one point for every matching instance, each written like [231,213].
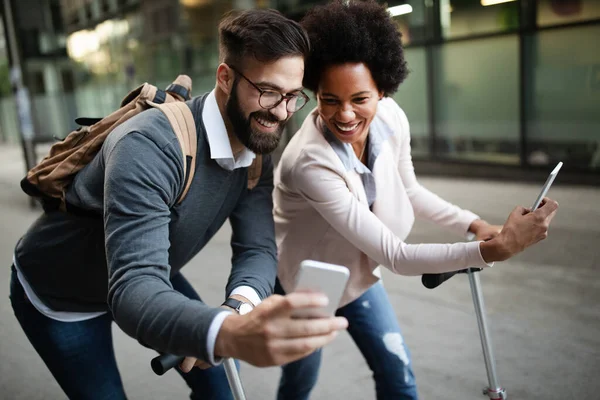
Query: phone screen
[546,187]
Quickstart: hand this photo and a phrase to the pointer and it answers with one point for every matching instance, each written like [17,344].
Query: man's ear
[380,94]
[225,78]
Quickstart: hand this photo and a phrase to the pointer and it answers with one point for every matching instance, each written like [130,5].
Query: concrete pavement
[543,308]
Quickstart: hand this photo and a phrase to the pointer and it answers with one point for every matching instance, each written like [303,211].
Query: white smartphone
[546,187]
[329,279]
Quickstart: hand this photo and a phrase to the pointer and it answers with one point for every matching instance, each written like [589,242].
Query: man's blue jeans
[81,356]
[373,326]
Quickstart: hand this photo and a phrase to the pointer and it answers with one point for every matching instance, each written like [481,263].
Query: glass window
[564,121]
[461,18]
[167,61]
[200,19]
[9,125]
[411,17]
[477,100]
[5,86]
[412,98]
[295,9]
[556,12]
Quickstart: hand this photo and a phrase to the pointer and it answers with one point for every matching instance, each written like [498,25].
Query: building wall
[41,41]
[480,91]
[493,94]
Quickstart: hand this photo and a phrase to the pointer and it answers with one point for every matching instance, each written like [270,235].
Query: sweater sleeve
[142,180]
[328,193]
[254,259]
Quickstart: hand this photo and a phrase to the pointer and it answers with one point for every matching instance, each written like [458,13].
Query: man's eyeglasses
[271,98]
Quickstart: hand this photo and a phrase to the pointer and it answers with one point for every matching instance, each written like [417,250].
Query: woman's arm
[327,192]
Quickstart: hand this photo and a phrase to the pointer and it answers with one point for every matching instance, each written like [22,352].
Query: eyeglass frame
[287,97]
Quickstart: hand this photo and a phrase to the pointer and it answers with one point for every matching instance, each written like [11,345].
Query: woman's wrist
[494,250]
[476,225]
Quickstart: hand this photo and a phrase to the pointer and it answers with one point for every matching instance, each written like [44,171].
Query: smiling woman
[346,193]
[348,98]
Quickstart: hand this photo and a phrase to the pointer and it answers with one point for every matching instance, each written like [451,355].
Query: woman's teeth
[347,128]
[266,123]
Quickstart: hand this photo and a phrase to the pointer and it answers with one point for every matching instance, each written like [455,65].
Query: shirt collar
[218,140]
[379,132]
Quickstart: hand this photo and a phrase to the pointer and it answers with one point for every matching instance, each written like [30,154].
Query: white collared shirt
[218,139]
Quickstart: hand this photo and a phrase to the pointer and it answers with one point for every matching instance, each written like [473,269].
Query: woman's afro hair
[354,32]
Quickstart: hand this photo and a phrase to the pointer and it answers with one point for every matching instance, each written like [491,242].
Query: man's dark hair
[266,35]
[354,32]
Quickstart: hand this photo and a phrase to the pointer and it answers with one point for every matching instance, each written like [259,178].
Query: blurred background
[497,88]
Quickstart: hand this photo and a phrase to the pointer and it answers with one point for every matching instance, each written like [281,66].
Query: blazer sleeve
[326,190]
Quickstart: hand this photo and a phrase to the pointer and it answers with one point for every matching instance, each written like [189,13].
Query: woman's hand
[484,231]
[522,229]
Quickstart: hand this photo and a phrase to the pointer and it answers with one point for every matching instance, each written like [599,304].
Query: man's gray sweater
[123,261]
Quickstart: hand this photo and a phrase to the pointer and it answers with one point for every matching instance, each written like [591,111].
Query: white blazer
[321,208]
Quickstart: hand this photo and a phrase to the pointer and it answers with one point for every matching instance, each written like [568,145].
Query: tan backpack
[49,179]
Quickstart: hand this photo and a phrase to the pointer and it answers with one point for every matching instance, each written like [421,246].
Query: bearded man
[74,273]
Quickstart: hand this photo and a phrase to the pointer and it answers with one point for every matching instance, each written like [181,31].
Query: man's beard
[255,140]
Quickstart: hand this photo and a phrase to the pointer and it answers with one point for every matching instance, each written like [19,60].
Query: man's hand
[269,335]
[483,230]
[522,229]
[190,362]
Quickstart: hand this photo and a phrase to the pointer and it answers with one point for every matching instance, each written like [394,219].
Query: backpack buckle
[178,90]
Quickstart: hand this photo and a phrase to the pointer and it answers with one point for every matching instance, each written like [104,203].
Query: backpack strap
[182,121]
[181,87]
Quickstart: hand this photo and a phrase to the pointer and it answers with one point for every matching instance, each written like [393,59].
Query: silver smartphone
[546,187]
[329,279]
